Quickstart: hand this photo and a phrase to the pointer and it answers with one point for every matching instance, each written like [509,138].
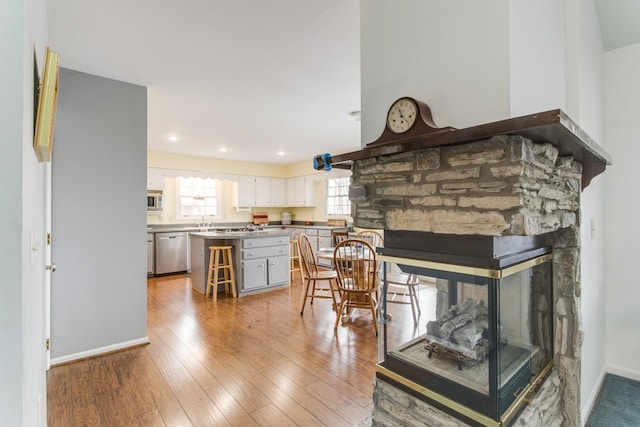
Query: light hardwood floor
[251,361]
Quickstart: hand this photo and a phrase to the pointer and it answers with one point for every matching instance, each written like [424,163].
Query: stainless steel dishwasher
[171,252]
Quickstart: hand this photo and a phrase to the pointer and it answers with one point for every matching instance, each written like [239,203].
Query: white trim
[99,351]
[220,207]
[587,407]
[623,372]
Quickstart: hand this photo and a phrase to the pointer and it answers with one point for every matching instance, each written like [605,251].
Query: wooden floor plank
[272,416]
[202,411]
[250,361]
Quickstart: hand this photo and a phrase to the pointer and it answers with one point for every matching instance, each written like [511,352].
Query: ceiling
[269,81]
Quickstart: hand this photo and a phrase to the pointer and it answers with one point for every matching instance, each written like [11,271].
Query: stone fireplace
[486,198]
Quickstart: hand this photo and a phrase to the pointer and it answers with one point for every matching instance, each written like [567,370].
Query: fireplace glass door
[483,336]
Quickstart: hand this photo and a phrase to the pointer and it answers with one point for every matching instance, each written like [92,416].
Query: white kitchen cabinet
[300,191]
[278,192]
[263,191]
[155,179]
[270,191]
[244,191]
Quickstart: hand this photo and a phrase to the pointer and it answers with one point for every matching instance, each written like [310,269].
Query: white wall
[11,325]
[23,30]
[622,204]
[537,56]
[99,289]
[435,51]
[585,76]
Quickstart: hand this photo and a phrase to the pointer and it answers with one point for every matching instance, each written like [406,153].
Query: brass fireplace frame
[522,396]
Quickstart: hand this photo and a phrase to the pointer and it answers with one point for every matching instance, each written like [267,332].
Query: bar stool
[220,260]
[294,258]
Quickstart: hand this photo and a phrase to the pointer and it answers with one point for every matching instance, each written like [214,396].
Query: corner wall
[23,31]
[622,106]
[11,120]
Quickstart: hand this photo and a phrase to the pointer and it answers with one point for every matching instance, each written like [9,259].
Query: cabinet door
[155,179]
[150,257]
[254,274]
[325,242]
[245,191]
[278,270]
[291,192]
[278,192]
[305,194]
[263,191]
[314,242]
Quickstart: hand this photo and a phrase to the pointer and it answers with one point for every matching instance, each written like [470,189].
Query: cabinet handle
[251,254]
[261,265]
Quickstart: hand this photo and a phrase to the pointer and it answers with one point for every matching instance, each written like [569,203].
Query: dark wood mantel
[553,127]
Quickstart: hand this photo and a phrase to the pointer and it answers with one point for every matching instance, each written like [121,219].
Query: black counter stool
[221,261]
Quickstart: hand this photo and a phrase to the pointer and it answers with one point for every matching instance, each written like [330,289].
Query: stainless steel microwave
[154,200]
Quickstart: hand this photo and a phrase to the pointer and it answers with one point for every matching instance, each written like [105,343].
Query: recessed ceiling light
[222,149]
[280,153]
[173,138]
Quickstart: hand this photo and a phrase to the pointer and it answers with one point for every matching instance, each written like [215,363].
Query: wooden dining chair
[313,277]
[338,236]
[372,237]
[355,262]
[403,286]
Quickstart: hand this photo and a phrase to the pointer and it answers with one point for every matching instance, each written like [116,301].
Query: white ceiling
[254,77]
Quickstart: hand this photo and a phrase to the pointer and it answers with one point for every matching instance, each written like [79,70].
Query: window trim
[219,198]
[326,197]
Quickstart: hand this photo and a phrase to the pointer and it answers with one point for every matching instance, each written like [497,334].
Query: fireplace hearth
[492,213]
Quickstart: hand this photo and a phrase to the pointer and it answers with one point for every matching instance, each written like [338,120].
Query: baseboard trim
[623,372]
[99,351]
[588,406]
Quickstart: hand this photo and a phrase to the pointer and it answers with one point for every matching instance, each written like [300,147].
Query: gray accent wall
[98,292]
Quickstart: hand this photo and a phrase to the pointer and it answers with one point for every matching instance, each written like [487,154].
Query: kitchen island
[260,258]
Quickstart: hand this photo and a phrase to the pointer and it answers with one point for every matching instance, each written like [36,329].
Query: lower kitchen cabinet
[264,272]
[150,254]
[264,264]
[320,238]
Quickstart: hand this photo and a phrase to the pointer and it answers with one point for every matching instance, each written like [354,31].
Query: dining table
[343,252]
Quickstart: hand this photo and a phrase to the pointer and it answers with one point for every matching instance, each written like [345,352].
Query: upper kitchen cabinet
[300,191]
[244,191]
[155,179]
[259,191]
[271,191]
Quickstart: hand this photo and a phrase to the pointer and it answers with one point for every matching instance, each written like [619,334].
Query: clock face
[402,115]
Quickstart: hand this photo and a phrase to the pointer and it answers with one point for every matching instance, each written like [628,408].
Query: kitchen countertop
[324,226]
[170,228]
[240,234]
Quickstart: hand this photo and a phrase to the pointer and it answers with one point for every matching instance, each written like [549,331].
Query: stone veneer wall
[506,185]
[501,186]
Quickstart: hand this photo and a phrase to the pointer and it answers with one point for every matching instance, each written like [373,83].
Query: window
[197,197]
[338,196]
